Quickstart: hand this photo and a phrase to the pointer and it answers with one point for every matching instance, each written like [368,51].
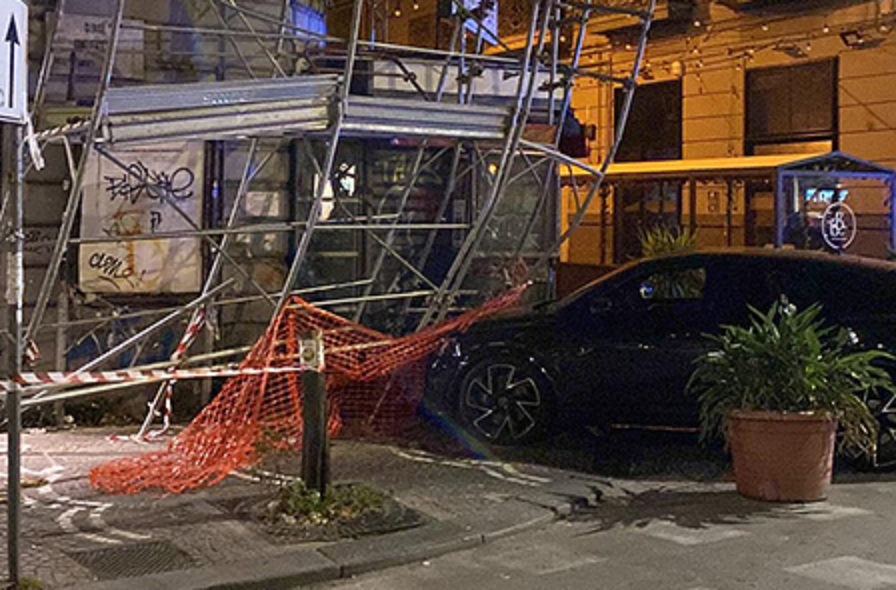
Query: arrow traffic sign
[13,61]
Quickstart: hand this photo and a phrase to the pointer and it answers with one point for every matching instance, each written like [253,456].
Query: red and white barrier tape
[165,395]
[99,377]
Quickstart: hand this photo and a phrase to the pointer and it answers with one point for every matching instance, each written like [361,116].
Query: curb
[338,561]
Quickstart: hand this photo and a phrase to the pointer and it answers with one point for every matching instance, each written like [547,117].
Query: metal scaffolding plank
[165,97]
[399,116]
[216,110]
[227,109]
[279,118]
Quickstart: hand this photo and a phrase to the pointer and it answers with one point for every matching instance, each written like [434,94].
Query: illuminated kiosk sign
[825,195]
[838,226]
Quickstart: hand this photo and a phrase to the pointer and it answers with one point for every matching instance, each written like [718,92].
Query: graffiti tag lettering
[38,241]
[155,220]
[111,266]
[139,181]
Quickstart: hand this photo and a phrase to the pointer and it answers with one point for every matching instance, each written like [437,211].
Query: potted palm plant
[779,390]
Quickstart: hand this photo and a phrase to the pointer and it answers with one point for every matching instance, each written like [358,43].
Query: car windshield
[589,287]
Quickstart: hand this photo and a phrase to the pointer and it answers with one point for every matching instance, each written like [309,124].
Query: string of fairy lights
[701,48]
[396,8]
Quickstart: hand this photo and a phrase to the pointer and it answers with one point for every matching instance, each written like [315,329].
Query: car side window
[674,285]
[661,288]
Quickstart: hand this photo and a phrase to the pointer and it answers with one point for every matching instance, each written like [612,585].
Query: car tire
[505,401]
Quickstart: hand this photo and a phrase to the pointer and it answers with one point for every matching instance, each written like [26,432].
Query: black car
[621,349]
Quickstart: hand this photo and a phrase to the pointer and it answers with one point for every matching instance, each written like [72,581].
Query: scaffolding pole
[74,196]
[451,284]
[476,133]
[326,170]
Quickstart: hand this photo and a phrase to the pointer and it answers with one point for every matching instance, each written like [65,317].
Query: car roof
[740,254]
[774,254]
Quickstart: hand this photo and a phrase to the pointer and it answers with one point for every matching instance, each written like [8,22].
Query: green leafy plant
[296,503]
[789,361]
[659,240]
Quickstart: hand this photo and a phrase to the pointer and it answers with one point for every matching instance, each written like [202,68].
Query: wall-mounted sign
[160,191]
[838,226]
[13,61]
[825,195]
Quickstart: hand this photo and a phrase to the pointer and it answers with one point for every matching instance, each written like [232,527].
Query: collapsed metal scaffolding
[476,141]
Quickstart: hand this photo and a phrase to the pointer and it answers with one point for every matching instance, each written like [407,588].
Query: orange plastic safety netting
[371,377]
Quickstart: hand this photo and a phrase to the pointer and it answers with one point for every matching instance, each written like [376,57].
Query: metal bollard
[315,439]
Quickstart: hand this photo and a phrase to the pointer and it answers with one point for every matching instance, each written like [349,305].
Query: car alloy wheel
[502,403]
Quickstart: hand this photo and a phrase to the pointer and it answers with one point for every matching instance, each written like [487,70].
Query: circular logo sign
[838,226]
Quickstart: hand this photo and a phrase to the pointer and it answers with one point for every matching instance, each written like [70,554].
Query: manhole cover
[138,559]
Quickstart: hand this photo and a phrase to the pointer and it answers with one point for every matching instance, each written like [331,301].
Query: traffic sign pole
[13,110]
[14,242]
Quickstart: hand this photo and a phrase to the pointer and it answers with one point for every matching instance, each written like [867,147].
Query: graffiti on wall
[148,191]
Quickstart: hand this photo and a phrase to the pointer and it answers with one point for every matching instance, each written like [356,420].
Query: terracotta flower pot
[782,457]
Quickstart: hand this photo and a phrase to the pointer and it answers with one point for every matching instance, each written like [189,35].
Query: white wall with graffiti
[160,191]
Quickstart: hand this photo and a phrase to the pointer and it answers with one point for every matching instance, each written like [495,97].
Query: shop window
[652,132]
[653,129]
[791,105]
[307,18]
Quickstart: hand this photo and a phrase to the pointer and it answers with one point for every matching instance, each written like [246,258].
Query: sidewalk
[75,537]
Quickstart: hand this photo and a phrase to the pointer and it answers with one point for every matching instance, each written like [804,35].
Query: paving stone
[690,536]
[850,572]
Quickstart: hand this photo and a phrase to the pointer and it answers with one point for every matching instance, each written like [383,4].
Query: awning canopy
[743,167]
[780,169]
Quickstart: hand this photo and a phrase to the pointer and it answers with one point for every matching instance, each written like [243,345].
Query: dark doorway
[653,132]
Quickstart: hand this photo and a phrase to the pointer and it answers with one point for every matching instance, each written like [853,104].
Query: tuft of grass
[28,583]
[296,504]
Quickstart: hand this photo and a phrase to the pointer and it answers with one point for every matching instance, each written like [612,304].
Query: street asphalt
[76,537]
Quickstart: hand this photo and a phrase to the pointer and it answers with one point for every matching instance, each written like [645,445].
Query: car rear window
[839,288]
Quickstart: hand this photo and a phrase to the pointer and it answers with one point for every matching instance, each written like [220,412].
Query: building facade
[721,79]
[735,79]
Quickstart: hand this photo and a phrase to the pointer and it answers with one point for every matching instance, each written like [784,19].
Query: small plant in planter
[296,504]
[659,240]
[778,390]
